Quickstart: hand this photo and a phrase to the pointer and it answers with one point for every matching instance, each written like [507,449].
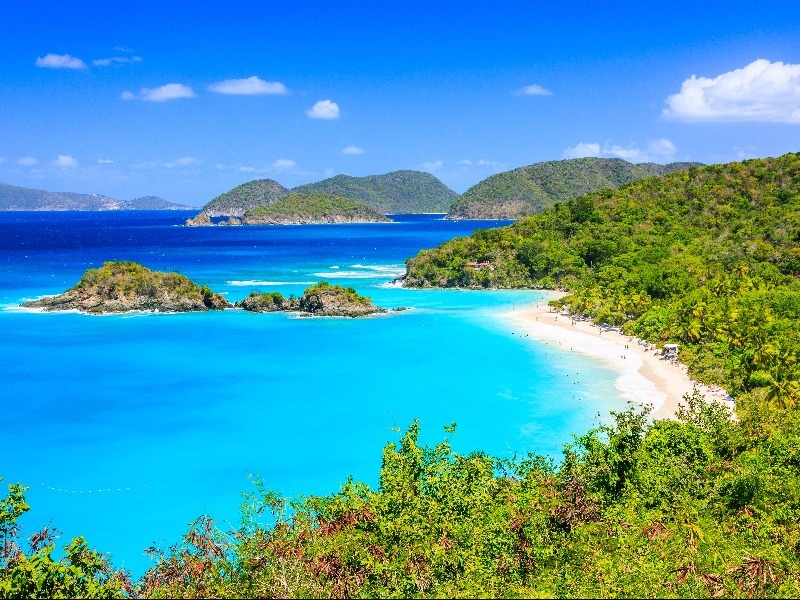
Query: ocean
[128,427]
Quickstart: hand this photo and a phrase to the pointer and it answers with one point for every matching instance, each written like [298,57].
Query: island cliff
[121,286]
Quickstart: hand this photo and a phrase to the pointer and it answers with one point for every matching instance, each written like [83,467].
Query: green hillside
[242,198]
[527,190]
[395,192]
[707,257]
[317,208]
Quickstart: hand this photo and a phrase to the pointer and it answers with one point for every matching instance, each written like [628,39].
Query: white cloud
[534,90]
[28,161]
[432,166]
[170,91]
[660,150]
[324,109]
[127,96]
[250,86]
[352,150]
[60,61]
[582,150]
[104,62]
[3,160]
[491,164]
[760,91]
[284,163]
[105,161]
[65,161]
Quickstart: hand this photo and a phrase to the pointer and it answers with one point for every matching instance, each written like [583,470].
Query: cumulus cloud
[660,150]
[170,91]
[28,161]
[761,91]
[104,62]
[582,150]
[248,87]
[324,109]
[65,161]
[105,161]
[60,61]
[284,163]
[534,90]
[352,150]
[432,166]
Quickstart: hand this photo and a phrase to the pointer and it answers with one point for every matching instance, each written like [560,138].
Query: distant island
[528,190]
[16,198]
[124,286]
[301,209]
[395,192]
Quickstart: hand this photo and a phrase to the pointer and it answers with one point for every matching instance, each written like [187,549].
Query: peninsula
[122,286]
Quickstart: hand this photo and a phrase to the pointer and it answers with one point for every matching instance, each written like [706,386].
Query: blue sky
[185,101]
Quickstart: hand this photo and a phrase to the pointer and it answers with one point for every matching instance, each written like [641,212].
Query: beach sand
[643,376]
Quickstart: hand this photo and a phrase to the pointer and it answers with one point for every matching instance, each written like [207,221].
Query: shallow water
[128,427]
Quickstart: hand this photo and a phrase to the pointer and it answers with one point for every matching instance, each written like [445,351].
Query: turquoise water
[128,427]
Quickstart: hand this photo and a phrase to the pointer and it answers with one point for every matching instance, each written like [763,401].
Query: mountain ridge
[18,198]
[527,190]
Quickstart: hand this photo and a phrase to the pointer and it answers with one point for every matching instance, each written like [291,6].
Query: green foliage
[636,509]
[396,192]
[317,208]
[81,573]
[528,190]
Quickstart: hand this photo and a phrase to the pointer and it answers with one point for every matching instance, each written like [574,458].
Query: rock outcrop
[321,299]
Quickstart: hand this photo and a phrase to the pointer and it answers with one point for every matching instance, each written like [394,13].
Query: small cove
[128,427]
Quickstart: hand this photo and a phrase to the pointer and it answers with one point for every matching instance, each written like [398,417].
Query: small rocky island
[321,299]
[301,209]
[122,286]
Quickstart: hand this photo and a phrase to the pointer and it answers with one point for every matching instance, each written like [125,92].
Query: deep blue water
[128,427]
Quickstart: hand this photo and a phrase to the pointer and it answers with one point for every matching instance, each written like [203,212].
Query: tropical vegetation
[707,257]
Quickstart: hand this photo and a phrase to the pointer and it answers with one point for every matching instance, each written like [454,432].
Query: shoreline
[642,375]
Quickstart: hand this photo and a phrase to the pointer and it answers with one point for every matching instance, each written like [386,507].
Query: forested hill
[395,192]
[13,197]
[708,257]
[236,202]
[527,190]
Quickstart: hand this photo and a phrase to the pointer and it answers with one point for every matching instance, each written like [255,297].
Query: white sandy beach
[643,376]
